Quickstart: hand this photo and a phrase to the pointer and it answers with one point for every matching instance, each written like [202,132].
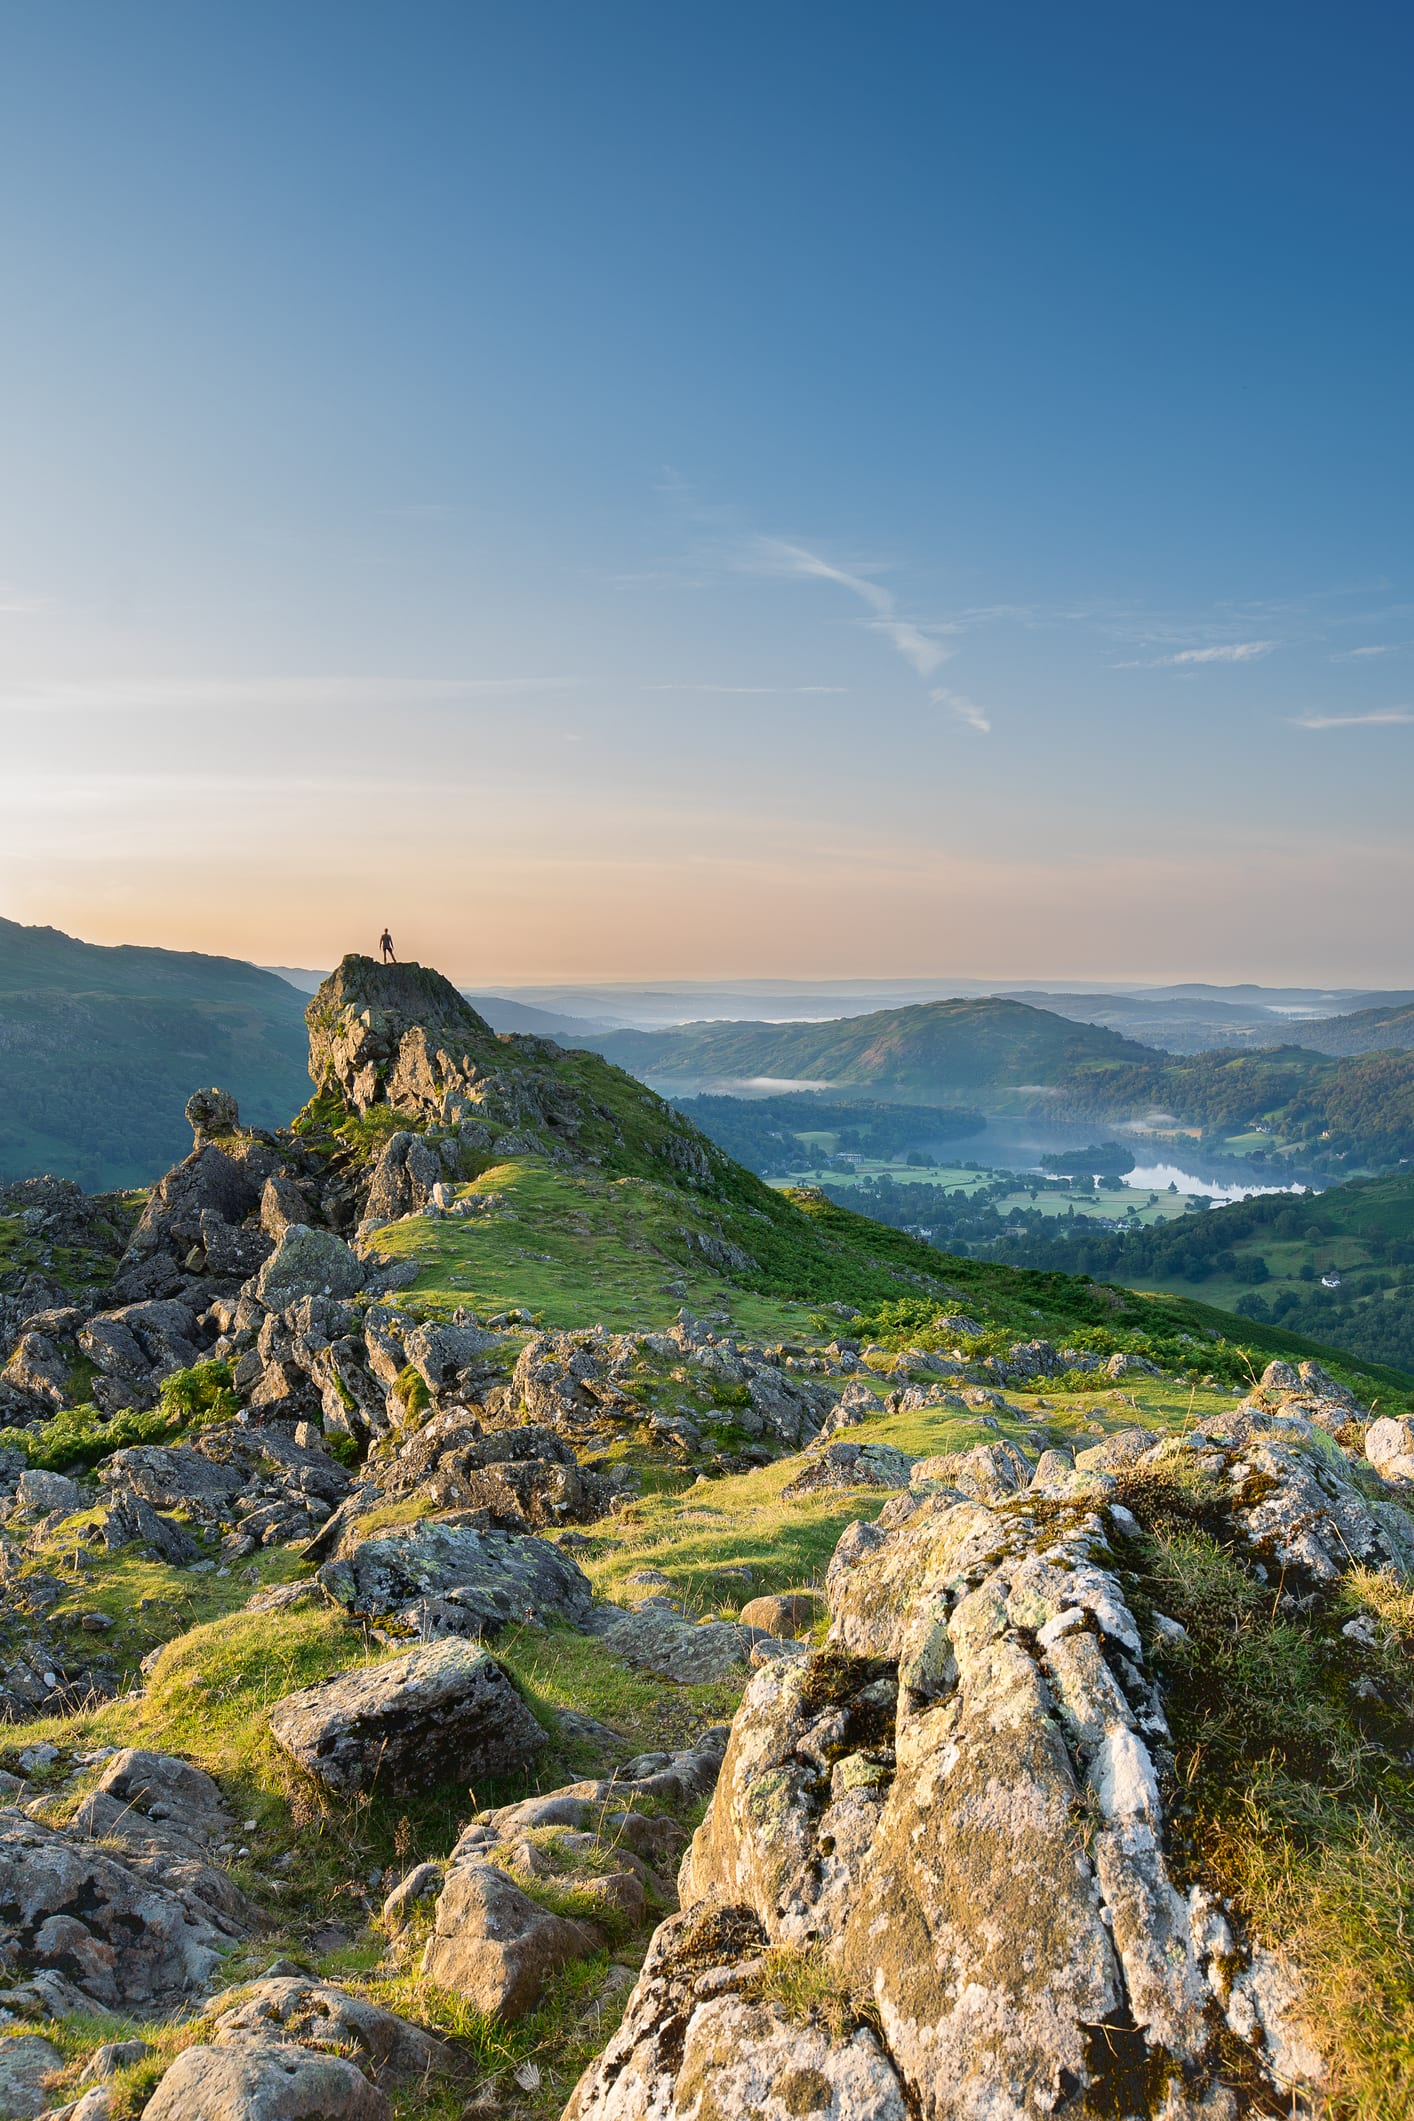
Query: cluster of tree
[1340,1111]
[1098,1160]
[1371,1313]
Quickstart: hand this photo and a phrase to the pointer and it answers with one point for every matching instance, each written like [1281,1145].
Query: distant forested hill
[1337,1266]
[100,1049]
[1342,1112]
[1364,1031]
[930,1049]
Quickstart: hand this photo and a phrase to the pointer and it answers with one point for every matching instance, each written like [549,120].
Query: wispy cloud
[1186,658]
[1232,652]
[916,643]
[1377,718]
[1360,655]
[966,710]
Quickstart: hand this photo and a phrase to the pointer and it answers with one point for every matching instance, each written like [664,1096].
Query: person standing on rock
[385,944]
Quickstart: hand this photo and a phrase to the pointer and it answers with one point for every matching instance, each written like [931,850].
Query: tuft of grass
[1293,1758]
[802,1982]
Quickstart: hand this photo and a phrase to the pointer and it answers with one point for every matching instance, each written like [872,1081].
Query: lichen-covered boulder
[323,2015]
[444,1712]
[264,2080]
[955,1812]
[459,1579]
[845,1463]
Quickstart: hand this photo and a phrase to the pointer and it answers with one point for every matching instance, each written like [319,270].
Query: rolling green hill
[100,1048]
[933,1049]
[1363,1031]
[1006,1056]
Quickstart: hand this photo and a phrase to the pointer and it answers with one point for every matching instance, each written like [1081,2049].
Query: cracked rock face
[955,1808]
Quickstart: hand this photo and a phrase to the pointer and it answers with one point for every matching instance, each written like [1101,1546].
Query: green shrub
[81,1436]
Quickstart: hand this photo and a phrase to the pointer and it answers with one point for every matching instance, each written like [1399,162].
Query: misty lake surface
[1019,1145]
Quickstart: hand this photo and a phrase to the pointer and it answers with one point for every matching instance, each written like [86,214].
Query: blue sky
[637,491]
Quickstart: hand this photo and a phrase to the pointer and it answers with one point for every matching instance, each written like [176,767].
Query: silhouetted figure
[385,944]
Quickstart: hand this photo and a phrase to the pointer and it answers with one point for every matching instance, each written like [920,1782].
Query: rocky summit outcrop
[397,1034]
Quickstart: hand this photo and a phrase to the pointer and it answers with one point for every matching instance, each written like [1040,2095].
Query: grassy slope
[575,1249]
[100,1049]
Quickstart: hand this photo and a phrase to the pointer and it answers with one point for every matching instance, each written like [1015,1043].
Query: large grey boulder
[494,1946]
[307,1262]
[264,2080]
[458,1579]
[126,1934]
[440,1713]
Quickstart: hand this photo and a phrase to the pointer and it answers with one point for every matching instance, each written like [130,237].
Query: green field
[1106,1207]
